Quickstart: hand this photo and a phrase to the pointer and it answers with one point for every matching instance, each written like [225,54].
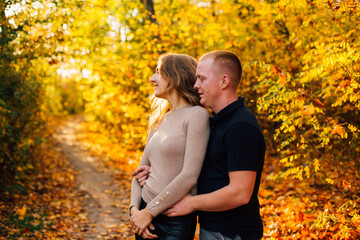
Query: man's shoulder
[243,118]
[241,115]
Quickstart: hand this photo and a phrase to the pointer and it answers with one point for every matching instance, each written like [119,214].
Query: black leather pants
[172,228]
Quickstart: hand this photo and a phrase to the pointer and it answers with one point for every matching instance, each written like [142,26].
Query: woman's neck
[176,101]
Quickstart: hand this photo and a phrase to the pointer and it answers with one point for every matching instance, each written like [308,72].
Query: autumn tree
[30,36]
[297,56]
[314,97]
[301,75]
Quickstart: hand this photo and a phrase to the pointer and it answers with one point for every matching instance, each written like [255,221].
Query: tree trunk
[149,4]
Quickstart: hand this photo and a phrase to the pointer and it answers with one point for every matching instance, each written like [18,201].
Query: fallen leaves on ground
[291,209]
[46,203]
[294,209]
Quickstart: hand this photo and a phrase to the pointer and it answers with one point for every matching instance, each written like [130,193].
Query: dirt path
[105,198]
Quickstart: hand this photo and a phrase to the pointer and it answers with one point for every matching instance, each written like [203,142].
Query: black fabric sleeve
[244,145]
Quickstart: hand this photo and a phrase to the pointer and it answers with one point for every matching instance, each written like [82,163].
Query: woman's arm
[136,188]
[140,221]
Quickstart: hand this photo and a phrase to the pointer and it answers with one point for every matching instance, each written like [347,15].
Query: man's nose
[196,85]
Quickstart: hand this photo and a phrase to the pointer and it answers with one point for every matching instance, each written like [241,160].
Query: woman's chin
[158,95]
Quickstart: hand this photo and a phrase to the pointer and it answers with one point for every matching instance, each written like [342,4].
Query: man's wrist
[193,203]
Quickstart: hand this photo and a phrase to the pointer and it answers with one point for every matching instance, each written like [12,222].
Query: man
[228,185]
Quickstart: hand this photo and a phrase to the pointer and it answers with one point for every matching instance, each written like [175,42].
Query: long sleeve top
[175,152]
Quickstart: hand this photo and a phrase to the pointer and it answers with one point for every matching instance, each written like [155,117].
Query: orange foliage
[301,78]
[50,206]
[291,209]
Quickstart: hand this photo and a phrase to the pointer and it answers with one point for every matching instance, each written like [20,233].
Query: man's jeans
[206,235]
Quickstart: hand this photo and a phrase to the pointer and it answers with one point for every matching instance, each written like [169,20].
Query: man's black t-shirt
[236,144]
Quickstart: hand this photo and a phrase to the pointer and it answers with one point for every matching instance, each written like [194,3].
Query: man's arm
[141,174]
[236,194]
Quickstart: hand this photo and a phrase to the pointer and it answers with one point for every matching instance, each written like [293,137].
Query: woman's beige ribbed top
[175,152]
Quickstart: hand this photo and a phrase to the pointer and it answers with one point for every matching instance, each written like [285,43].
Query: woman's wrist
[146,209]
[132,210]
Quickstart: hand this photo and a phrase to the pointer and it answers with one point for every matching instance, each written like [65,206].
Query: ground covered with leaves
[291,208]
[46,203]
[295,209]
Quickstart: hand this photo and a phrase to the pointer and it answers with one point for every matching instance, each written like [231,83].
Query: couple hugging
[194,165]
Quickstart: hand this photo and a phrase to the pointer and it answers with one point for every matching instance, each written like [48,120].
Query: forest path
[105,198]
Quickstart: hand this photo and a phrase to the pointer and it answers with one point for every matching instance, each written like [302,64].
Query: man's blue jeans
[207,235]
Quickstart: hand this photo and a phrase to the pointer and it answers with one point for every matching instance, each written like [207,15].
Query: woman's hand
[147,234]
[140,220]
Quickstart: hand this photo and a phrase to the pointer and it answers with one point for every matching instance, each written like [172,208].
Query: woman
[175,150]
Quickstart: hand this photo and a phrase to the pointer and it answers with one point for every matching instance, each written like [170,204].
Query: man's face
[208,83]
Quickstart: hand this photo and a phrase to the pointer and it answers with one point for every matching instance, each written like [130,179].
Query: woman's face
[161,85]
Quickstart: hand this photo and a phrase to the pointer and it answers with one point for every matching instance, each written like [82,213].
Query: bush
[20,123]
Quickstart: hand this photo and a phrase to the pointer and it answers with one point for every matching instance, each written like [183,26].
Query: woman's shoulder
[197,108]
[198,111]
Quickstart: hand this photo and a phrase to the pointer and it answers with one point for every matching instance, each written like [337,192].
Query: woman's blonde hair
[179,70]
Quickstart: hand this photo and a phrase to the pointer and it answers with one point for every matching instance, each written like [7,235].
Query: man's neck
[224,103]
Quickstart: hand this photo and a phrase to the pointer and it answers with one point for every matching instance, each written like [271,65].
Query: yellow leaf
[329,180]
[316,165]
[21,212]
[309,109]
[307,171]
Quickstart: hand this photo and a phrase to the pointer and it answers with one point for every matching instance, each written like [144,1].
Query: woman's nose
[153,78]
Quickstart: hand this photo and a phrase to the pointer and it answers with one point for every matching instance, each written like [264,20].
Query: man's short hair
[227,63]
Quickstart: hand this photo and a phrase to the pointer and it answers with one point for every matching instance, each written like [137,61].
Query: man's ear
[225,81]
